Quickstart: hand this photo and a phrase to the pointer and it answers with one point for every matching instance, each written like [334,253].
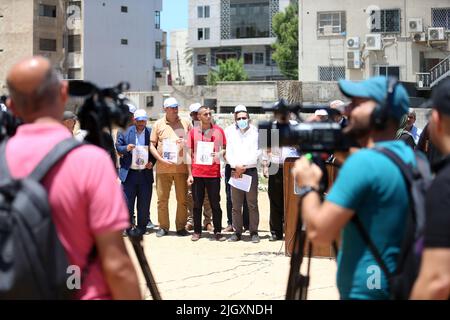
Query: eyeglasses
[242,118]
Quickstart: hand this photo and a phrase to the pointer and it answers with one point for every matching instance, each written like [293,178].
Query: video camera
[8,122]
[305,136]
[102,108]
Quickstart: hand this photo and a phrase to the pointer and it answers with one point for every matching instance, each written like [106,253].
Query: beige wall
[20,30]
[401,51]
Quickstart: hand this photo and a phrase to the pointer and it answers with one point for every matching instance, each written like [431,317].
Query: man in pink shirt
[87,204]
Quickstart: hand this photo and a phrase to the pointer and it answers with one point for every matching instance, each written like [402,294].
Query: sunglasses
[206,114]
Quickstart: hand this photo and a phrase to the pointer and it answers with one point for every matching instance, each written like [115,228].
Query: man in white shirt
[415,132]
[242,155]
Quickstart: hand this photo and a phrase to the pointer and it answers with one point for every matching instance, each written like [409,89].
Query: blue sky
[174,15]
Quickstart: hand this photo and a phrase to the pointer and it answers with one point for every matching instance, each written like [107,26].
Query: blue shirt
[372,185]
[140,138]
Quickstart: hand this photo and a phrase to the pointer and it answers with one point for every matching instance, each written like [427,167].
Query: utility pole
[178,69]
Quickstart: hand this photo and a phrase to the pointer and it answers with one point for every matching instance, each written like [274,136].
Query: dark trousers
[212,186]
[276,199]
[230,202]
[137,185]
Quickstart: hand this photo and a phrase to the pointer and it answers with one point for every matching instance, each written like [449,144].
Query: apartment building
[358,39]
[104,42]
[222,29]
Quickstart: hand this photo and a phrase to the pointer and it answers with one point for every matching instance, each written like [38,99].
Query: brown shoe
[189,227]
[209,227]
[219,237]
[229,228]
[195,237]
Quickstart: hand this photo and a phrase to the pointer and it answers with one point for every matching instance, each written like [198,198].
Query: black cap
[440,97]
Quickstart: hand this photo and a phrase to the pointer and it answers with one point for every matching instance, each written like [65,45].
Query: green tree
[229,70]
[285,27]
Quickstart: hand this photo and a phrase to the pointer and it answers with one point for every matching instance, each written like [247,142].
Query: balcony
[427,80]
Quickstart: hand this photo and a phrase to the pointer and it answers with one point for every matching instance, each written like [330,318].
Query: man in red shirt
[206,144]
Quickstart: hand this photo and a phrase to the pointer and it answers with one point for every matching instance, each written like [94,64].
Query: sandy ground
[211,270]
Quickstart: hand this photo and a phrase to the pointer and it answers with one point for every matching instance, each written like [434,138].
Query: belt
[138,170]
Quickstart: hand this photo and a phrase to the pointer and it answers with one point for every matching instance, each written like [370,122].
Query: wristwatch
[303,191]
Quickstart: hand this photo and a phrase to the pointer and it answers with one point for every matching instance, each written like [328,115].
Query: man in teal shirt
[369,185]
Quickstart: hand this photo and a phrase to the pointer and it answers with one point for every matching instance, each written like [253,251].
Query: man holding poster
[206,145]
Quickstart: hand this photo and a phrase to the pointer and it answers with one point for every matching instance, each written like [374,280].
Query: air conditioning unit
[436,34]
[419,37]
[353,43]
[353,59]
[415,25]
[373,41]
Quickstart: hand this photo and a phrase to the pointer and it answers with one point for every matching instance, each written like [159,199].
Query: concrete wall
[249,93]
[106,61]
[400,50]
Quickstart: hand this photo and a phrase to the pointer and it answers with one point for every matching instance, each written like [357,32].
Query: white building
[222,29]
[359,39]
[180,53]
[115,40]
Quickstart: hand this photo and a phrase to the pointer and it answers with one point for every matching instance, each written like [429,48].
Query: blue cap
[376,89]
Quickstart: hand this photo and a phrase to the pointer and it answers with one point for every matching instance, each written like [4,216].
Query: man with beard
[369,190]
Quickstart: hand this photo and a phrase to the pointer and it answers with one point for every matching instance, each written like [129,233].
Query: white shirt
[242,148]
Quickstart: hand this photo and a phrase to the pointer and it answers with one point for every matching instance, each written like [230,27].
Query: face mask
[242,124]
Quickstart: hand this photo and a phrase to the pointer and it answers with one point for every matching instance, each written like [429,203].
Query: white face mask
[242,124]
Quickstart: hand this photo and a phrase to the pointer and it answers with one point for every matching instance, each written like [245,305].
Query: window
[259,58]
[387,71]
[223,56]
[74,73]
[201,60]
[74,43]
[203,33]
[47,45]
[250,20]
[203,12]
[331,23]
[47,11]
[440,18]
[158,50]
[331,73]
[248,58]
[124,9]
[387,21]
[157,20]
[124,42]
[149,101]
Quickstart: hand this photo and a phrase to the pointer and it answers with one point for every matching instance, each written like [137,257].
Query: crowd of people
[97,211]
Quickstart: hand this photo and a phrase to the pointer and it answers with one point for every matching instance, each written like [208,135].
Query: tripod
[136,241]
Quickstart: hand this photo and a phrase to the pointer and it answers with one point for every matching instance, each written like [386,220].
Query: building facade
[104,42]
[222,29]
[358,39]
[181,59]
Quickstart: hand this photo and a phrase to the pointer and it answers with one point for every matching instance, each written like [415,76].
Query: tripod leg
[151,284]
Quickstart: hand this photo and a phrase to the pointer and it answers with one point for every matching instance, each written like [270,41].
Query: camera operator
[433,281]
[369,186]
[86,202]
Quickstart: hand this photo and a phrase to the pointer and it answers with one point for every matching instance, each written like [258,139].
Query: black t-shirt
[437,225]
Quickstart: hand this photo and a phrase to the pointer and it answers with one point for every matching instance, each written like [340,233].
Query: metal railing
[427,80]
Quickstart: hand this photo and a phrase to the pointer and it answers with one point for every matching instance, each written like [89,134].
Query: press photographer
[370,193]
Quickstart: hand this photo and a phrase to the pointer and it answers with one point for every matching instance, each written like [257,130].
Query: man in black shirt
[433,281]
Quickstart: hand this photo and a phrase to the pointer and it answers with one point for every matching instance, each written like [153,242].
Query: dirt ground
[211,270]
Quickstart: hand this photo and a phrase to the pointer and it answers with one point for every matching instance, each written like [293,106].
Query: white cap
[338,105]
[132,108]
[321,112]
[140,114]
[170,103]
[194,107]
[240,108]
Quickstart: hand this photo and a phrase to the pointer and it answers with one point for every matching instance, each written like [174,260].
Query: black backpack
[33,263]
[418,180]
